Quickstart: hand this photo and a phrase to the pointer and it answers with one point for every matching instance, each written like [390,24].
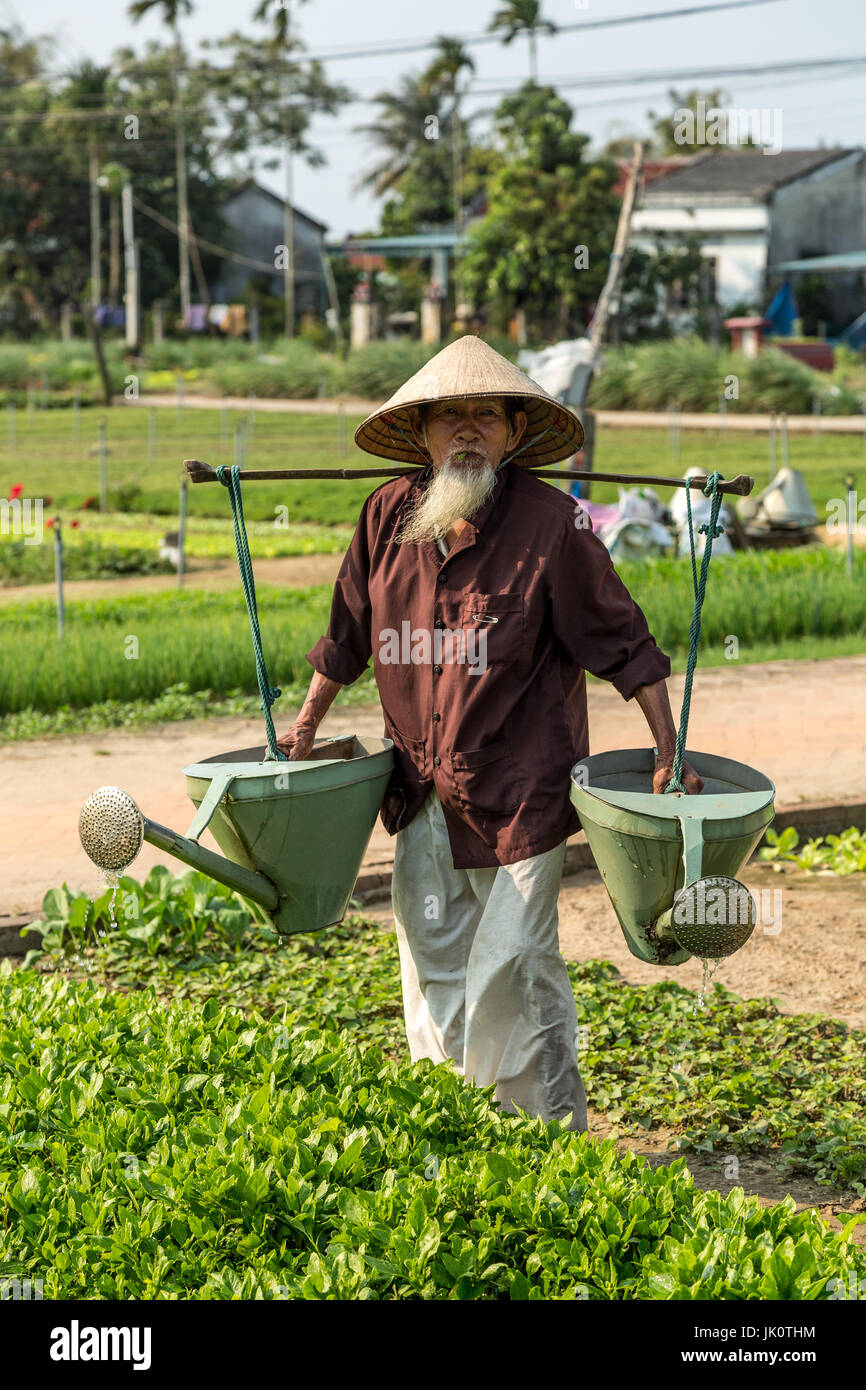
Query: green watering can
[294,833]
[669,860]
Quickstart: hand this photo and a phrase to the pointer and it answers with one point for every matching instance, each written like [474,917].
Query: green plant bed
[732,1077]
[839,854]
[193,1149]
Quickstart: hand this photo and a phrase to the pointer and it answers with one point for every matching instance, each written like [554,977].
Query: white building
[753,210]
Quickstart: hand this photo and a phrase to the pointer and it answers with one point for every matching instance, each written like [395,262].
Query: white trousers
[484,982]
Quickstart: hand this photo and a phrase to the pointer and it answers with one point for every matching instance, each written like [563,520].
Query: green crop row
[53,454]
[195,1150]
[738,1076]
[838,854]
[133,649]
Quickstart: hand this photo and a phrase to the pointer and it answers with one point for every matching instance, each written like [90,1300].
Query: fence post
[181,534]
[852,522]
[772,445]
[151,435]
[103,467]
[11,427]
[76,420]
[58,571]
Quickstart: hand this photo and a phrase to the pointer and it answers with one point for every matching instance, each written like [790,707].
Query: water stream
[705,979]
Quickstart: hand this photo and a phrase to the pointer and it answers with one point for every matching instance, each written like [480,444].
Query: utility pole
[456,174]
[182,204]
[288,211]
[130,260]
[609,297]
[608,302]
[288,225]
[95,233]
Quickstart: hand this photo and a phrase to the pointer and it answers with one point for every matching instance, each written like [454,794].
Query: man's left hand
[665,771]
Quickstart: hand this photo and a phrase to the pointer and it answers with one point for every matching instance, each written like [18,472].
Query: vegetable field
[194,1108]
[53,457]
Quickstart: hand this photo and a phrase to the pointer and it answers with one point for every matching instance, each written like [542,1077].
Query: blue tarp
[782,312]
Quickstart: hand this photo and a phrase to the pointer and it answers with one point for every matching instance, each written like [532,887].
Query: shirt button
[438,623]
[437,670]
[437,760]
[436,717]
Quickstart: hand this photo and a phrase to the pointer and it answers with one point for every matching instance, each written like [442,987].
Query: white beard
[454,493]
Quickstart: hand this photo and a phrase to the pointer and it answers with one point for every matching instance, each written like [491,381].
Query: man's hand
[665,770]
[297,742]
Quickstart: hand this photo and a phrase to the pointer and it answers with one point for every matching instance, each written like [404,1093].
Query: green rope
[269,692]
[711,529]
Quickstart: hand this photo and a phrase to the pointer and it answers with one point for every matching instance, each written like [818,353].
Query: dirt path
[762,715]
[288,571]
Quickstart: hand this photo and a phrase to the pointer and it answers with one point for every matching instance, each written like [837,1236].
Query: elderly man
[482,596]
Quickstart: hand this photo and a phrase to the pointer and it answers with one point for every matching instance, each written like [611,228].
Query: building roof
[841,260]
[740,173]
[246,185]
[652,170]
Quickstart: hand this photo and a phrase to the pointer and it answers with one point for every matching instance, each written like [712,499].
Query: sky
[817,107]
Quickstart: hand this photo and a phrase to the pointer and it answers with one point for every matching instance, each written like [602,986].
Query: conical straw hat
[470,367]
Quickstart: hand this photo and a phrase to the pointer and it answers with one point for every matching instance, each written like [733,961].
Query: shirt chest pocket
[494,628]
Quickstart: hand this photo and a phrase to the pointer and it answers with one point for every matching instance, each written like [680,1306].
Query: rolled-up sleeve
[595,618]
[343,653]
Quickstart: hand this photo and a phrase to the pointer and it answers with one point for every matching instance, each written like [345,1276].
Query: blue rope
[269,693]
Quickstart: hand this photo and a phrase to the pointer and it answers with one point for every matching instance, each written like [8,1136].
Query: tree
[544,243]
[522,17]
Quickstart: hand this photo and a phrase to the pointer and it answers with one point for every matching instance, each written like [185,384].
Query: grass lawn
[50,460]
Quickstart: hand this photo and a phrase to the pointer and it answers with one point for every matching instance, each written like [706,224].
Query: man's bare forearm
[320,697]
[655,703]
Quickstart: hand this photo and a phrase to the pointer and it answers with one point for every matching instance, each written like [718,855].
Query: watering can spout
[112,830]
[293,833]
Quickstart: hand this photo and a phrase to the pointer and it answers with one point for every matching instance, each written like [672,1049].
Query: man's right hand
[297,742]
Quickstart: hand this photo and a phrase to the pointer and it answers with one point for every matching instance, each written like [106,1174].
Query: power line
[483,36]
[609,79]
[148,66]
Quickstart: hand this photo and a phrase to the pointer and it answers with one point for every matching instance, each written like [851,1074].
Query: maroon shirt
[479,658]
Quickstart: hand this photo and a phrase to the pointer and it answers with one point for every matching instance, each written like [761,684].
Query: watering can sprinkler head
[111,829]
[710,918]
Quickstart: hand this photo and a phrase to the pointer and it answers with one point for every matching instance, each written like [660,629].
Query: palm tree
[171,11]
[444,70]
[397,130]
[522,17]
